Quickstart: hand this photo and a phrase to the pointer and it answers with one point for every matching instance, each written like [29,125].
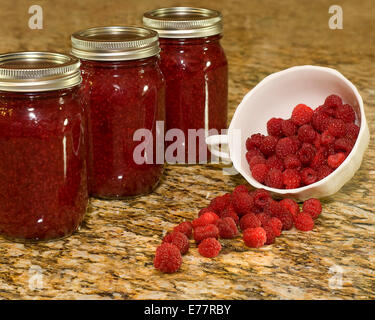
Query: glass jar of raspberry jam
[43,178]
[196,73]
[124,91]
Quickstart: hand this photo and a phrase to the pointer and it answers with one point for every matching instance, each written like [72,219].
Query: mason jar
[124,91]
[195,68]
[43,189]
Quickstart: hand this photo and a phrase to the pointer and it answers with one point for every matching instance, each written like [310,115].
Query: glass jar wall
[43,189]
[124,92]
[196,72]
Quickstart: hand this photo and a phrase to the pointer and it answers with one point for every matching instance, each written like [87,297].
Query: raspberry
[178,239]
[306,133]
[291,161]
[218,204]
[343,144]
[302,114]
[337,128]
[204,210]
[331,149]
[274,127]
[313,207]
[209,248]
[327,138]
[304,222]
[257,210]
[285,146]
[320,158]
[329,111]
[286,219]
[320,120]
[268,145]
[336,159]
[345,113]
[323,171]
[296,141]
[317,141]
[241,188]
[203,232]
[288,128]
[306,153]
[259,172]
[254,141]
[276,225]
[270,235]
[274,179]
[308,176]
[231,213]
[227,228]
[263,217]
[291,179]
[333,101]
[205,219]
[256,160]
[249,220]
[275,162]
[167,258]
[291,206]
[242,202]
[185,227]
[261,198]
[273,207]
[253,153]
[255,237]
[352,131]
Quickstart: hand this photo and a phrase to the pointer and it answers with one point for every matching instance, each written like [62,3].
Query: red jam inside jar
[123,94]
[195,69]
[43,189]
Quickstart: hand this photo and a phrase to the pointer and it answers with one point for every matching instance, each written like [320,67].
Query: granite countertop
[111,256]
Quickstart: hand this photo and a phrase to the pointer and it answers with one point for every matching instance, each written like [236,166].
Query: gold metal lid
[184,22]
[38,71]
[115,43]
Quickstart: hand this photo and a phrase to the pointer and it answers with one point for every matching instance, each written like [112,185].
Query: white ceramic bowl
[276,96]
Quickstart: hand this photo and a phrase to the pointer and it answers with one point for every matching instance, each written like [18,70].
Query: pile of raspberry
[305,148]
[260,218]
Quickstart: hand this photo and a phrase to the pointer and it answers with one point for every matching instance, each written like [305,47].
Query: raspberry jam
[122,96]
[43,189]
[196,72]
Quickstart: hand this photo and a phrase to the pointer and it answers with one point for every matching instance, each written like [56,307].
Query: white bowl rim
[363,126]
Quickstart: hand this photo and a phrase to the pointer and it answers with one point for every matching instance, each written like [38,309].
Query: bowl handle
[214,141]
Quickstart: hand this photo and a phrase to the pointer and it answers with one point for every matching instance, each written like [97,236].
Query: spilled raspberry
[167,258]
[242,202]
[255,237]
[203,232]
[313,207]
[209,248]
[185,227]
[304,222]
[227,228]
[249,220]
[178,239]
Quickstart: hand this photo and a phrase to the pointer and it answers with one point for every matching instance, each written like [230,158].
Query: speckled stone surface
[111,256]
